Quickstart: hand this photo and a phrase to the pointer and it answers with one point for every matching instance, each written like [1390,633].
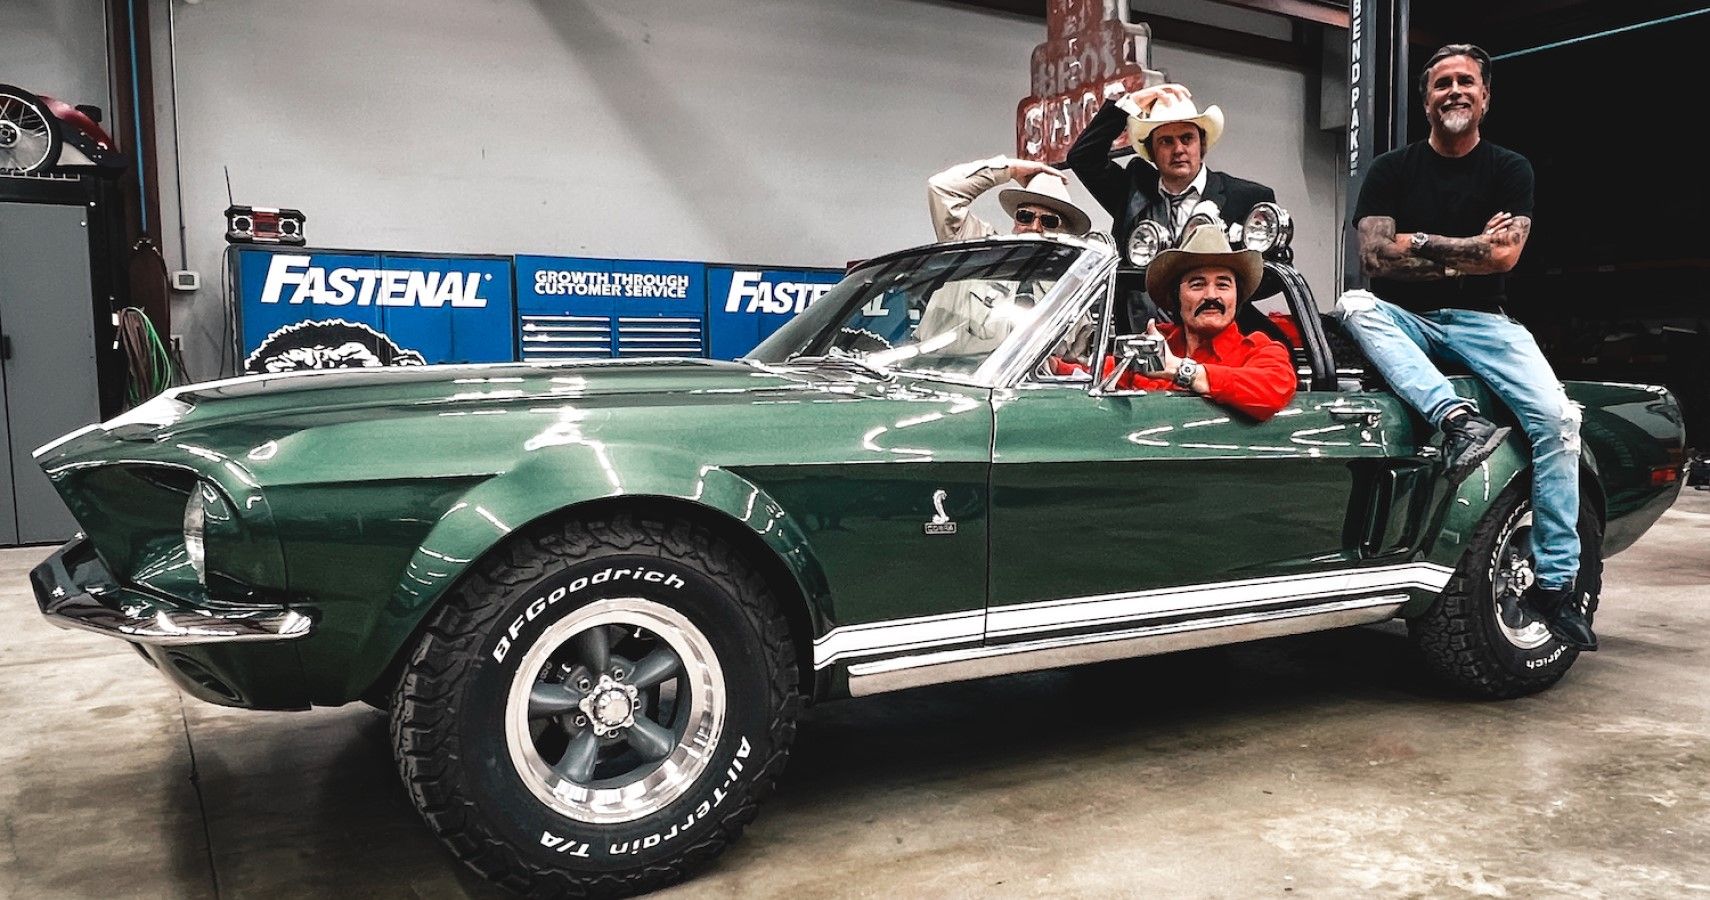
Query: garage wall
[789,132]
[57,48]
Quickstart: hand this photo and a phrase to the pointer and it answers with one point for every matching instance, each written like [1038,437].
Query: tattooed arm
[1385,254]
[1491,252]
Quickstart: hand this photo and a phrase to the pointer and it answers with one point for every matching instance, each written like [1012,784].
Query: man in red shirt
[1207,354]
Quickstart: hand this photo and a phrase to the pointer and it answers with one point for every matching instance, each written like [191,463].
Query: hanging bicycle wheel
[29,135]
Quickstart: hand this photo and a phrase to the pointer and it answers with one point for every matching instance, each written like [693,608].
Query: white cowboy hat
[1051,192]
[1206,246]
[1168,109]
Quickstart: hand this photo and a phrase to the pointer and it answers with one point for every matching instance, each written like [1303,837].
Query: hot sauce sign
[1090,53]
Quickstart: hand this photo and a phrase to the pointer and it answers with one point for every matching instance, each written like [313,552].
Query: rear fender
[1468,504]
[1459,513]
[559,481]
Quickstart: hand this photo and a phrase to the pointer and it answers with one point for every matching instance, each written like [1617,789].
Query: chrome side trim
[944,666]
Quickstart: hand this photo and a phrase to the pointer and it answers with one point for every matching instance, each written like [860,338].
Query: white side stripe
[1005,621]
[898,634]
[921,632]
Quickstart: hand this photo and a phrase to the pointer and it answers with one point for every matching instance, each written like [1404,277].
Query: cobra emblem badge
[940,523]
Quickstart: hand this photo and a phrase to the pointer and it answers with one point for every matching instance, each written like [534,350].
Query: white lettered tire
[1477,638]
[597,710]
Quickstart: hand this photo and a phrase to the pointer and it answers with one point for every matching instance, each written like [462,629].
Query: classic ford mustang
[594,596]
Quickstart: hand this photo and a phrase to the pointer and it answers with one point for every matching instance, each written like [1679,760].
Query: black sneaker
[1468,441]
[1566,613]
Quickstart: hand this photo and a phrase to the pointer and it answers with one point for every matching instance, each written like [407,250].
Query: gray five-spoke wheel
[614,712]
[1511,575]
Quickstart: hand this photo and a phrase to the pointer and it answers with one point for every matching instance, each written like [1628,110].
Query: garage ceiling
[1500,27]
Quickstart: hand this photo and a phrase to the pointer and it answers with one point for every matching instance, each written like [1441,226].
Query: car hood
[411,420]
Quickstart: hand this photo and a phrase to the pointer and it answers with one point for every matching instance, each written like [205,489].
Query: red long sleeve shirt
[1248,372]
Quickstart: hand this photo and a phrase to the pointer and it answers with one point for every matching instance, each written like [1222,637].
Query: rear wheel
[597,711]
[29,134]
[1478,638]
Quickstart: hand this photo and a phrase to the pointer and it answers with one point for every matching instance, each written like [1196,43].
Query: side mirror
[1134,352]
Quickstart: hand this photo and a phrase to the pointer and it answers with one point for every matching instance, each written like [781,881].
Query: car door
[1106,509]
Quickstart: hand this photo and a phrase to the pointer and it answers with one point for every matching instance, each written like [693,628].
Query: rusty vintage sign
[1091,52]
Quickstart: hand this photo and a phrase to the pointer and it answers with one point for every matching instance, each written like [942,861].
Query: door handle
[1369,414]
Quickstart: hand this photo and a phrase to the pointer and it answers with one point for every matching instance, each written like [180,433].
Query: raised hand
[1023,170]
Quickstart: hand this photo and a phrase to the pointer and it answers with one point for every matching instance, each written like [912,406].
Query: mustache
[1210,304]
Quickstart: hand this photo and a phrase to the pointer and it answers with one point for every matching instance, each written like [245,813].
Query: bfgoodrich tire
[1476,639]
[598,709]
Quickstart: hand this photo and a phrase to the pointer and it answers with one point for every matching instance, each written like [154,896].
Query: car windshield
[940,311]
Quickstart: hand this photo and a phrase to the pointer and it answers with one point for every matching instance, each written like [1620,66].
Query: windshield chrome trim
[1010,363]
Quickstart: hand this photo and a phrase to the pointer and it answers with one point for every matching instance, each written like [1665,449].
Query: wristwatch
[1419,240]
[1185,372]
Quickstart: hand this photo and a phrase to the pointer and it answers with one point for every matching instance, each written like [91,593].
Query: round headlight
[1148,240]
[195,521]
[1268,228]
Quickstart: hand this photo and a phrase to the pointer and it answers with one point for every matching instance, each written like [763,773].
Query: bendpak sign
[1091,53]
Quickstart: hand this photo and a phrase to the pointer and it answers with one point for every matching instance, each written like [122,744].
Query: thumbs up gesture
[1170,360]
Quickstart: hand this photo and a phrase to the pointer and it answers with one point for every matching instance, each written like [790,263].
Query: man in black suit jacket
[1172,136]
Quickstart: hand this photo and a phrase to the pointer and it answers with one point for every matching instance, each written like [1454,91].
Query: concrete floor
[1312,766]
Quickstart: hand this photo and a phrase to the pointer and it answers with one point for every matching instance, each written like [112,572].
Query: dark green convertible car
[594,597]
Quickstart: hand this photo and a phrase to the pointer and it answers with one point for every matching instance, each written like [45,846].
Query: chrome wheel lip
[1510,574]
[656,785]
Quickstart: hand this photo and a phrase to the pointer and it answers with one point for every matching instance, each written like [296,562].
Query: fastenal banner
[584,308]
[745,305]
[318,309]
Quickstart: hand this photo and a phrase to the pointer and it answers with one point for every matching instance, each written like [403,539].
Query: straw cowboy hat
[1167,110]
[1206,246]
[1051,192]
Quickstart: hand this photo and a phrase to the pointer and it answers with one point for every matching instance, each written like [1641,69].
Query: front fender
[560,479]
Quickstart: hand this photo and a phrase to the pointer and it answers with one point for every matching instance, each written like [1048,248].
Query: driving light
[206,508]
[195,521]
[1147,241]
[1268,228]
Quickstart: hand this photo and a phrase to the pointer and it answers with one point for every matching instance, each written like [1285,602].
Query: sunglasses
[1048,220]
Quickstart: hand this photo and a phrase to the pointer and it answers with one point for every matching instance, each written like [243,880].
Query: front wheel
[597,711]
[1478,638]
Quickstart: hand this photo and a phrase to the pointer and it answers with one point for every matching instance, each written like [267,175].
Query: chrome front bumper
[75,590]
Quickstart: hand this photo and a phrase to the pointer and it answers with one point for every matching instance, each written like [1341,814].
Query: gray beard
[1459,121]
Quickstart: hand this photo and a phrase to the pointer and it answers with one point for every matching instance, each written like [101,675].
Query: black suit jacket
[1128,193]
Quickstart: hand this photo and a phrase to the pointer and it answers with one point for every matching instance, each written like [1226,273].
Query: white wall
[57,48]
[788,132]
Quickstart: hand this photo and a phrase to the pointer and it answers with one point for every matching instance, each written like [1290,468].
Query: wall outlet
[177,342]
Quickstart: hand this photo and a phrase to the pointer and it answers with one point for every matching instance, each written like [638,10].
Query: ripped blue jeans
[1502,353]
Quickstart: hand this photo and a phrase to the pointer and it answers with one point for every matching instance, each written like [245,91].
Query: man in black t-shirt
[1440,222]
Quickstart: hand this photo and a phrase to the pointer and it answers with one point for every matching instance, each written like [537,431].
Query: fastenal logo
[752,292]
[369,287]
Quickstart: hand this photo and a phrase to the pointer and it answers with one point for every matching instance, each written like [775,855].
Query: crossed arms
[1385,254]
